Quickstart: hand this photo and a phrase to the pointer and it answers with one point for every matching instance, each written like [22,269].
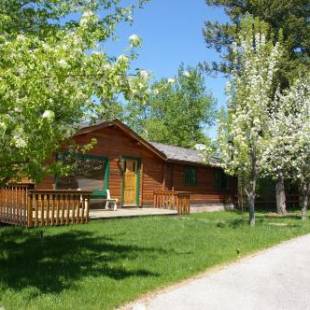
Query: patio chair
[110,200]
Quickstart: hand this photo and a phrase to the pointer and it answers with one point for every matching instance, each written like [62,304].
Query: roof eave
[192,163]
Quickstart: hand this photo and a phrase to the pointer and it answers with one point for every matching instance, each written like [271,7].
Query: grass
[110,262]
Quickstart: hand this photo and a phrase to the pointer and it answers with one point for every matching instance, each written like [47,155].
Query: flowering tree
[241,136]
[49,84]
[287,150]
[45,17]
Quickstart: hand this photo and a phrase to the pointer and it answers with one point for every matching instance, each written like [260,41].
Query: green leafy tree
[176,112]
[50,83]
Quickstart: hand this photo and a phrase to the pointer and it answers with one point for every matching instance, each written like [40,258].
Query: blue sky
[172,33]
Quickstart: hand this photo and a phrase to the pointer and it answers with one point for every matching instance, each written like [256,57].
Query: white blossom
[18,138]
[287,150]
[62,63]
[21,37]
[134,40]
[86,17]
[87,14]
[156,91]
[243,130]
[49,115]
[3,125]
[107,66]
[122,59]
[200,147]
[19,142]
[144,74]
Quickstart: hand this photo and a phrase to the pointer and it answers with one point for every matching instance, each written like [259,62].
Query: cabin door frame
[137,163]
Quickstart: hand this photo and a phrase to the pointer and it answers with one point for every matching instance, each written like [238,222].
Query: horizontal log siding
[152,178]
[47,183]
[205,191]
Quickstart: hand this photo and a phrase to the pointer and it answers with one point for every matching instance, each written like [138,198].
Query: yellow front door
[130,182]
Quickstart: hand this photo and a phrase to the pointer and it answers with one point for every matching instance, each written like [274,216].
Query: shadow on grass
[265,214]
[273,216]
[237,223]
[56,262]
[231,223]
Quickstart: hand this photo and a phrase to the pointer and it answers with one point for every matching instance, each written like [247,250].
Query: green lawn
[107,263]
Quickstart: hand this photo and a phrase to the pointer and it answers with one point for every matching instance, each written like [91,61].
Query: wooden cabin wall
[47,183]
[113,143]
[205,191]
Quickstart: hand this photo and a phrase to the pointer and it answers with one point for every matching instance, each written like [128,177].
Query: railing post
[22,205]
[29,210]
[86,210]
[177,203]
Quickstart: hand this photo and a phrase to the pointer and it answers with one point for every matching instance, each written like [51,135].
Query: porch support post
[172,177]
[28,209]
[164,183]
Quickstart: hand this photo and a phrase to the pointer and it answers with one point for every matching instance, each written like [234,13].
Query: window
[190,176]
[85,172]
[220,180]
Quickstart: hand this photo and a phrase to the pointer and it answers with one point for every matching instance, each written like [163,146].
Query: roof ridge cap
[181,147]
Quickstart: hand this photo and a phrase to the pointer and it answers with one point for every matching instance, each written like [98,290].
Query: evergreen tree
[289,19]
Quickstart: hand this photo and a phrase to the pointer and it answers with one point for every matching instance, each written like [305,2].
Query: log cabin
[133,169]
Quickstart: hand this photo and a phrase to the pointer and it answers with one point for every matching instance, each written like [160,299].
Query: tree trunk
[305,189]
[251,193]
[280,196]
[240,193]
[251,204]
[251,188]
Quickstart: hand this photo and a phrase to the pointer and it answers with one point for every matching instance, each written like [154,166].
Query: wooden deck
[128,212]
[171,200]
[21,205]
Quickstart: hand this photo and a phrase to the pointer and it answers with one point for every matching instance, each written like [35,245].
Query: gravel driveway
[278,278]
